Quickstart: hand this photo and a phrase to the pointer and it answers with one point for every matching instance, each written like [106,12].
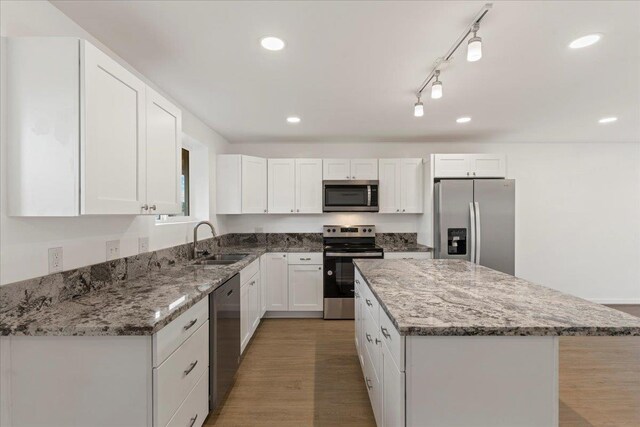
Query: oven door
[350,196]
[339,272]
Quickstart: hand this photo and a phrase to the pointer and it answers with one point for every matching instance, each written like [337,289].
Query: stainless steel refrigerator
[474,219]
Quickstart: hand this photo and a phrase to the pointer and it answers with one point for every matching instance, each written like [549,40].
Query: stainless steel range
[343,244]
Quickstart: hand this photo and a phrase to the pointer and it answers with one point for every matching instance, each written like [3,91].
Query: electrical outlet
[55,260]
[113,249]
[143,245]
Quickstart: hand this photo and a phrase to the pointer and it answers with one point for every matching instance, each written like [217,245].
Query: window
[194,184]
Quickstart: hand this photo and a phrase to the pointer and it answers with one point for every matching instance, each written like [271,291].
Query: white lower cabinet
[379,350]
[250,312]
[305,288]
[195,408]
[277,282]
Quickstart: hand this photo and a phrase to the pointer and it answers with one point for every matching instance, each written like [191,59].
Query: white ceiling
[350,69]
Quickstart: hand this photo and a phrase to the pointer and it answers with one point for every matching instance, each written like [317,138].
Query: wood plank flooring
[305,372]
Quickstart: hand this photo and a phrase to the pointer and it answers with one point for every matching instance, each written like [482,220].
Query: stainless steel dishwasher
[224,340]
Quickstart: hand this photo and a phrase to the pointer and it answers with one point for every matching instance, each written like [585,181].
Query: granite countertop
[454,297]
[417,247]
[145,304]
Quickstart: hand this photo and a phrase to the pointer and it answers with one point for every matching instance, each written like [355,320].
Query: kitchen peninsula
[450,343]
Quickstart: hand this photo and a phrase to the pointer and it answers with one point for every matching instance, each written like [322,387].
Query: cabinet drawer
[248,272]
[370,302]
[407,255]
[195,407]
[169,338]
[393,340]
[179,374]
[305,258]
[374,387]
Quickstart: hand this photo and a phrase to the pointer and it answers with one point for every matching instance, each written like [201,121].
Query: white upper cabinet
[401,186]
[113,173]
[336,169]
[358,169]
[295,185]
[78,139]
[254,184]
[164,154]
[364,169]
[389,187]
[308,185]
[229,184]
[281,185]
[469,166]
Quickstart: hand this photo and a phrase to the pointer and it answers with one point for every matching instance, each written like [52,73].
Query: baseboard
[606,301]
[293,315]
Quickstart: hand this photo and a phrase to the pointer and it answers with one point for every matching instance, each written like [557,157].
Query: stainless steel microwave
[350,196]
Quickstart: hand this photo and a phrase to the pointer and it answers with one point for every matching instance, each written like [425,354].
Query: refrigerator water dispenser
[457,238]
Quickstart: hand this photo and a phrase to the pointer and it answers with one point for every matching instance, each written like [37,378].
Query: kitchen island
[451,343]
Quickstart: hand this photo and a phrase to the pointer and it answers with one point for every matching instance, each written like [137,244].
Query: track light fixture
[418,108]
[436,87]
[474,53]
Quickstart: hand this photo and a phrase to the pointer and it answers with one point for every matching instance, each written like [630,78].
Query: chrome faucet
[196,252]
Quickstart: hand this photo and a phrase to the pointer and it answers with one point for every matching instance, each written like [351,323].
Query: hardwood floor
[305,372]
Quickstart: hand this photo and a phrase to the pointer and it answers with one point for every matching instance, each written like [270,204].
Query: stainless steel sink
[221,259]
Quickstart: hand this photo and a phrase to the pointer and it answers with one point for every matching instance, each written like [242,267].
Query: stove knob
[329,273]
[334,230]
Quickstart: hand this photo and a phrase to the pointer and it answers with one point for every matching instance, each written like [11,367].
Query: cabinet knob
[152,207]
[467,173]
[353,177]
[319,268]
[145,207]
[291,210]
[297,210]
[397,210]
[402,210]
[265,211]
[474,174]
[284,256]
[347,176]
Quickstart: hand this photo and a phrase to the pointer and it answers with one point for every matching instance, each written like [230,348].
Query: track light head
[474,47]
[436,87]
[418,108]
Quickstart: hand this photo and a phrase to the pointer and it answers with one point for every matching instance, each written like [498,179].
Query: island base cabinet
[393,387]
[481,381]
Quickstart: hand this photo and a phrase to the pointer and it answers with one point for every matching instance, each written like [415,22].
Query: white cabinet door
[228,184]
[308,185]
[164,146]
[277,282]
[488,165]
[254,303]
[451,165]
[281,178]
[254,185]
[263,285]
[244,316]
[392,391]
[364,169]
[112,146]
[336,169]
[389,187]
[412,186]
[305,288]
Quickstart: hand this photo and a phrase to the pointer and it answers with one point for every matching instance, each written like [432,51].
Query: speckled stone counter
[458,298]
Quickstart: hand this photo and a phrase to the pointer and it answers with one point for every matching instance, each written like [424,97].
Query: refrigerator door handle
[478,233]
[472,221]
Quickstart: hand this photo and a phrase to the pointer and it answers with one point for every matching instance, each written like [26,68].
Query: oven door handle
[368,195]
[354,254]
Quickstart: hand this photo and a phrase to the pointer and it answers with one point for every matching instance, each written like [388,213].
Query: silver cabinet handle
[368,337]
[193,421]
[385,332]
[190,368]
[305,259]
[152,207]
[369,386]
[472,222]
[145,207]
[378,341]
[368,302]
[190,324]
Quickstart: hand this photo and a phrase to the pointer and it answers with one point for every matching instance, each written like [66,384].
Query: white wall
[577,208]
[24,242]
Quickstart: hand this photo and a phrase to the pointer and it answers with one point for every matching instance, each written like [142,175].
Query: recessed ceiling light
[293,119]
[272,43]
[585,41]
[463,119]
[607,120]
